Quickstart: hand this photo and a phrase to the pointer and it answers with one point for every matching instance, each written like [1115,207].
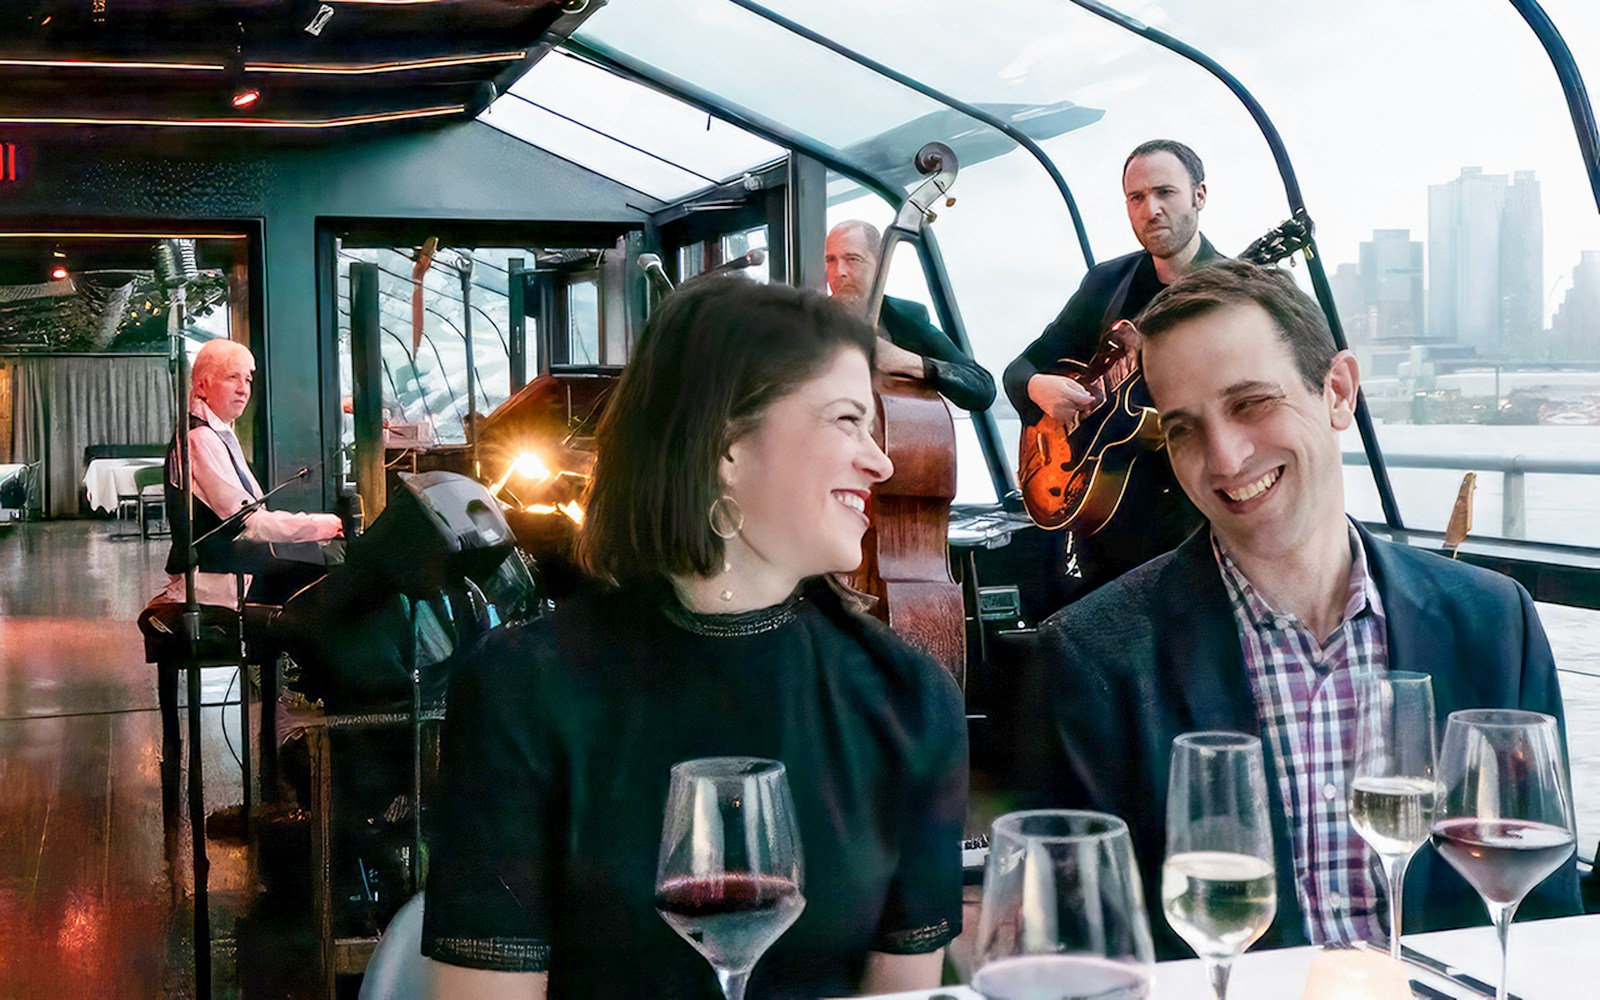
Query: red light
[245,98]
[58,273]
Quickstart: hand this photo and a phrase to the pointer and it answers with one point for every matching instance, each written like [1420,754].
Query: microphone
[654,273]
[754,258]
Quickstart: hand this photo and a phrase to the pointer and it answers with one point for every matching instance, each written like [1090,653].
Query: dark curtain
[65,403]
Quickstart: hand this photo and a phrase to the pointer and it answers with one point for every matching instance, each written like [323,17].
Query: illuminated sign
[10,158]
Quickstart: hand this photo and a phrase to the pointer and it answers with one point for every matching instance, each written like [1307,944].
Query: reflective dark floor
[96,888]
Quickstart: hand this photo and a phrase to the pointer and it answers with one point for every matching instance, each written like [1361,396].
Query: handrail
[1513,470]
[1477,463]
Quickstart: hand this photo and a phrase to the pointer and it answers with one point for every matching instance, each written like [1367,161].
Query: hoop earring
[725,523]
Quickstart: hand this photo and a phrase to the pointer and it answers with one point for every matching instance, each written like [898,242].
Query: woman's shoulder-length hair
[714,356]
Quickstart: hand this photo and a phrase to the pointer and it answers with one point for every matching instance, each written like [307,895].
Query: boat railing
[1513,469]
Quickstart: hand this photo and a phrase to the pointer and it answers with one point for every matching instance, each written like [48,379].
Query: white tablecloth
[108,478]
[1550,960]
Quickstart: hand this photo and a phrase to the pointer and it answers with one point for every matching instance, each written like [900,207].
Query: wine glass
[730,872]
[1505,821]
[1063,911]
[1394,786]
[1218,884]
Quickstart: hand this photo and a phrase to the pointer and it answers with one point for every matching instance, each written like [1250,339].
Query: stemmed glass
[1505,822]
[1218,885]
[1063,911]
[730,873]
[1394,786]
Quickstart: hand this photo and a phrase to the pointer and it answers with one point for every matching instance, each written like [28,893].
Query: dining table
[106,479]
[1552,959]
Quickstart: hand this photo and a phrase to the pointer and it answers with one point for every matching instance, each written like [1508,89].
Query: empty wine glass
[1505,821]
[730,873]
[1063,911]
[1218,884]
[1394,787]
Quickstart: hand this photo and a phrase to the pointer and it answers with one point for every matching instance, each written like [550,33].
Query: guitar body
[1078,477]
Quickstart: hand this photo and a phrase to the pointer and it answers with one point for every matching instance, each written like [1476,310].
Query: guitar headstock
[1287,238]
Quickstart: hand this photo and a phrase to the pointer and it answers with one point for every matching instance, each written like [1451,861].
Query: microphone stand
[191,631]
[253,505]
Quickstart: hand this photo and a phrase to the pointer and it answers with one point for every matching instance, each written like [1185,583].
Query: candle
[1352,974]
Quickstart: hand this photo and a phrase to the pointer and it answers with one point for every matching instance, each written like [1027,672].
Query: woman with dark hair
[733,478]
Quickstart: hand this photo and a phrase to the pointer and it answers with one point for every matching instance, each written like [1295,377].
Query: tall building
[1345,283]
[1575,327]
[1391,286]
[1486,261]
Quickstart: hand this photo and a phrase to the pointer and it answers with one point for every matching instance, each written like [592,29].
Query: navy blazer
[1156,654]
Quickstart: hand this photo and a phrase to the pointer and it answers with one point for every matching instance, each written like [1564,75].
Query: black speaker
[353,635]
[437,528]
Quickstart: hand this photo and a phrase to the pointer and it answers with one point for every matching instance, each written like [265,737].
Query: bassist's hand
[1061,397]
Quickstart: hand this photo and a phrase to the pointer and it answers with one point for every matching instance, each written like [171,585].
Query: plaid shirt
[1305,693]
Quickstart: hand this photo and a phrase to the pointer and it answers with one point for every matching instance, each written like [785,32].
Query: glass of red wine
[730,873]
[1505,822]
[1063,911]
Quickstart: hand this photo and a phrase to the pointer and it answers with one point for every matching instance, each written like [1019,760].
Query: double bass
[905,562]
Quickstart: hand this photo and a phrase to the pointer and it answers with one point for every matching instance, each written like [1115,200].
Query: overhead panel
[625,130]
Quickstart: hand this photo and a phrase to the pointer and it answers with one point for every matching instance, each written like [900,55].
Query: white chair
[397,969]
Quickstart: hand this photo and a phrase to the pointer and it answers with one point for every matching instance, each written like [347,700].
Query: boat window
[1453,214]
[1008,242]
[1460,234]
[425,393]
[624,130]
[583,321]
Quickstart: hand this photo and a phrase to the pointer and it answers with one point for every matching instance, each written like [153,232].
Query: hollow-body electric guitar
[1073,474]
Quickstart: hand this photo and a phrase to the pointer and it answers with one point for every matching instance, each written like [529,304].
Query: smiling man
[1267,619]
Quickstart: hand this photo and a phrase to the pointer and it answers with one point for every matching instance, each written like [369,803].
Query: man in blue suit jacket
[1281,584]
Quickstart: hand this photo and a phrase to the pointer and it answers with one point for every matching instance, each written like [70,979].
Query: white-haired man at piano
[223,483]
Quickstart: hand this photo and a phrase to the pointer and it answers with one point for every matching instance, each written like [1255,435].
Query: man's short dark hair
[716,354]
[1301,324]
[1186,156]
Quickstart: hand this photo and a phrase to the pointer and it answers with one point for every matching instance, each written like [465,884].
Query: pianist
[223,483]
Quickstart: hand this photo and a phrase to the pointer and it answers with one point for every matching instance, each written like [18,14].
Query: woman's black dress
[557,746]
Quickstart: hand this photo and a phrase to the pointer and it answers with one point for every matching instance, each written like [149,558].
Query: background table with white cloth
[105,479]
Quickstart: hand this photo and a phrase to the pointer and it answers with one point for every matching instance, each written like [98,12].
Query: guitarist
[1163,182]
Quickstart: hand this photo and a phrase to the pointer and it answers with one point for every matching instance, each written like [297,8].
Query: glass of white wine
[1393,786]
[1218,883]
[1063,911]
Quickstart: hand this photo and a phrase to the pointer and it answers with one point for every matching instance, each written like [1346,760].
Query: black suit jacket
[1156,515]
[1157,653]
[945,366]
